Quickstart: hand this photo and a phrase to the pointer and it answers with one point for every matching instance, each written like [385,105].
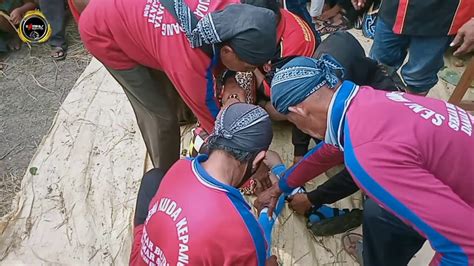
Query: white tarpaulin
[77,207]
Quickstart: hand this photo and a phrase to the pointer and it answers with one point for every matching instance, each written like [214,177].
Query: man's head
[302,90]
[245,34]
[242,132]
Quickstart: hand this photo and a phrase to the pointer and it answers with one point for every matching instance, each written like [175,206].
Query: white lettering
[152,256]
[151,18]
[151,253]
[202,8]
[466,125]
[396,97]
[415,107]
[183,257]
[176,214]
[182,228]
[171,208]
[184,239]
[181,223]
[453,121]
[427,114]
[438,120]
[164,203]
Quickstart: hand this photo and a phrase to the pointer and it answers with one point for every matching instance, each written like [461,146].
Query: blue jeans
[420,73]
[55,12]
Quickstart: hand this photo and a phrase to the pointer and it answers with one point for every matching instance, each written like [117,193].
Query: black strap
[169,5]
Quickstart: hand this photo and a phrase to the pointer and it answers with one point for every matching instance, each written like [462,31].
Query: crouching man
[197,216]
[411,155]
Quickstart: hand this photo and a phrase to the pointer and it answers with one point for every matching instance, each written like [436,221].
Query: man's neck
[223,168]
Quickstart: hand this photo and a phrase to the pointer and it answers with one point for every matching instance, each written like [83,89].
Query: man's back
[123,33]
[426,18]
[437,134]
[413,156]
[196,220]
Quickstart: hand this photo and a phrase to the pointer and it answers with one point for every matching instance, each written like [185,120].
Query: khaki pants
[146,90]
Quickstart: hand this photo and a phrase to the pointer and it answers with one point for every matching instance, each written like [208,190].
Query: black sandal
[337,224]
[58,53]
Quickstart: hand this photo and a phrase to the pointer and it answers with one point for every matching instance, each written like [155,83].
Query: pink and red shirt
[196,220]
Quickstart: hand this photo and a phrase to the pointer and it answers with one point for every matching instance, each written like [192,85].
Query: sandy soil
[32,88]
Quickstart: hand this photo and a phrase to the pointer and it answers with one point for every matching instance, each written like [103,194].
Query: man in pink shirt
[411,155]
[197,216]
[190,46]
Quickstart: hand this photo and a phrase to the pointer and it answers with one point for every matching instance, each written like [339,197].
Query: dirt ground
[32,88]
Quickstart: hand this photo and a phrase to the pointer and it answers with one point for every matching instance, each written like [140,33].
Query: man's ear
[259,158]
[299,110]
[226,49]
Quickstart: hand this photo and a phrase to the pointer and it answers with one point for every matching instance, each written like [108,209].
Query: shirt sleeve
[336,188]
[318,160]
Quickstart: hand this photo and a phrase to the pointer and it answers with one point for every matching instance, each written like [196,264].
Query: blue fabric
[278,169]
[340,104]
[240,204]
[326,211]
[267,223]
[283,183]
[55,13]
[300,78]
[210,99]
[452,254]
[425,59]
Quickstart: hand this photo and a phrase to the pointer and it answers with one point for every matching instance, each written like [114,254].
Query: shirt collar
[337,112]
[210,182]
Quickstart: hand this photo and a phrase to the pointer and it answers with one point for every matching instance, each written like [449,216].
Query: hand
[268,198]
[358,4]
[272,261]
[300,203]
[464,39]
[16,15]
[271,159]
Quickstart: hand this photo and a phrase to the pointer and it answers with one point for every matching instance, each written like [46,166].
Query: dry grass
[9,186]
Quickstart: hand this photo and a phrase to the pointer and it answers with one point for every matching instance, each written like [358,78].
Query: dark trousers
[148,188]
[55,12]
[387,241]
[155,112]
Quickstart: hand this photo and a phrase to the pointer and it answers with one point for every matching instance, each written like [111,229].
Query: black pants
[148,188]
[387,241]
[155,112]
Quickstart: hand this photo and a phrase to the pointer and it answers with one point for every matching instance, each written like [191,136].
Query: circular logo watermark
[34,28]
